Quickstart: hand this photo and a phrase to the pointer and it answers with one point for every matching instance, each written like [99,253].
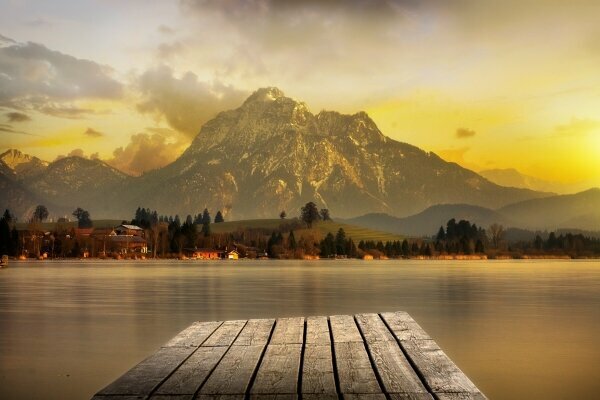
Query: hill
[320,229]
[580,210]
[427,223]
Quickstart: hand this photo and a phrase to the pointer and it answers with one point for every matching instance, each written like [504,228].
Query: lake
[518,329]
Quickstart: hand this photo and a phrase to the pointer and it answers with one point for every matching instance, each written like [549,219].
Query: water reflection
[518,329]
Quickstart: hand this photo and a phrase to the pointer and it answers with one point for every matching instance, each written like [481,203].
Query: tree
[325,214]
[441,235]
[40,213]
[309,214]
[496,234]
[8,217]
[205,216]
[327,246]
[206,228]
[219,217]
[292,241]
[405,248]
[282,214]
[83,218]
[5,236]
[340,242]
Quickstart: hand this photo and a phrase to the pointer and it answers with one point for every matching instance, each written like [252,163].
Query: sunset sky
[488,84]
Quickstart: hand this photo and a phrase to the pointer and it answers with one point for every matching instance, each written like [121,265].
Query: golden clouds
[146,152]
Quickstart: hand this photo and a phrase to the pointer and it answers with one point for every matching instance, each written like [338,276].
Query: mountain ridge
[272,154]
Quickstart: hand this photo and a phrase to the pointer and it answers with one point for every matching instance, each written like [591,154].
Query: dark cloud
[462,133]
[145,152]
[17,117]
[6,41]
[185,102]
[93,133]
[9,129]
[62,110]
[32,76]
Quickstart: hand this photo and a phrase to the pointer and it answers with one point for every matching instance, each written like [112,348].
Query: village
[125,241]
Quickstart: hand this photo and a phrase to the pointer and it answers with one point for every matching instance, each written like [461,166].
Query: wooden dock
[366,356]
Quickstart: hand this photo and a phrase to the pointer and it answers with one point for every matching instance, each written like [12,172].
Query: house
[233,255]
[126,244]
[130,230]
[204,254]
[82,232]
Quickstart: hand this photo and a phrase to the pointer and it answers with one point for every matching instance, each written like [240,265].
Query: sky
[486,84]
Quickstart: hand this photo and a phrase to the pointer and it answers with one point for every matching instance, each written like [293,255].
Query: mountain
[427,222]
[513,178]
[580,210]
[555,213]
[23,165]
[80,182]
[273,154]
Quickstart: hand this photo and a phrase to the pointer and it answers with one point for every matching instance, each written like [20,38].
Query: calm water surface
[527,329]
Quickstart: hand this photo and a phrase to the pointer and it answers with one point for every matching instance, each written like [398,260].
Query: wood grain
[278,371]
[194,335]
[225,334]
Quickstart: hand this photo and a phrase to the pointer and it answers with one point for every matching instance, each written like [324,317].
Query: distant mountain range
[513,178]
[577,211]
[268,155]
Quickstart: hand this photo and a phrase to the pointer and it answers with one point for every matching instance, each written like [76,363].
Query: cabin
[126,244]
[233,255]
[203,254]
[129,230]
[82,232]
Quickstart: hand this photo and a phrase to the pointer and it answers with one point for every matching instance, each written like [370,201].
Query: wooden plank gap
[373,365]
[408,357]
[262,355]
[302,351]
[336,376]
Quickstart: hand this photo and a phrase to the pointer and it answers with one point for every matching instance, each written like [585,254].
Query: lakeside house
[203,254]
[233,255]
[211,254]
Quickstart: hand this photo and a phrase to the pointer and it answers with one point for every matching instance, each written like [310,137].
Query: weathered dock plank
[317,371]
[233,374]
[144,377]
[194,335]
[354,369]
[256,332]
[317,331]
[278,371]
[344,329]
[362,357]
[440,373]
[188,378]
[225,334]
[404,327]
[288,331]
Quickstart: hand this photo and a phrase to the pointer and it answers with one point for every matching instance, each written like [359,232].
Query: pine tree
[405,248]
[219,217]
[292,241]
[340,242]
[441,235]
[205,216]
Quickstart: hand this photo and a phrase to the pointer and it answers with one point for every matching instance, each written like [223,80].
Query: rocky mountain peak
[21,163]
[265,95]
